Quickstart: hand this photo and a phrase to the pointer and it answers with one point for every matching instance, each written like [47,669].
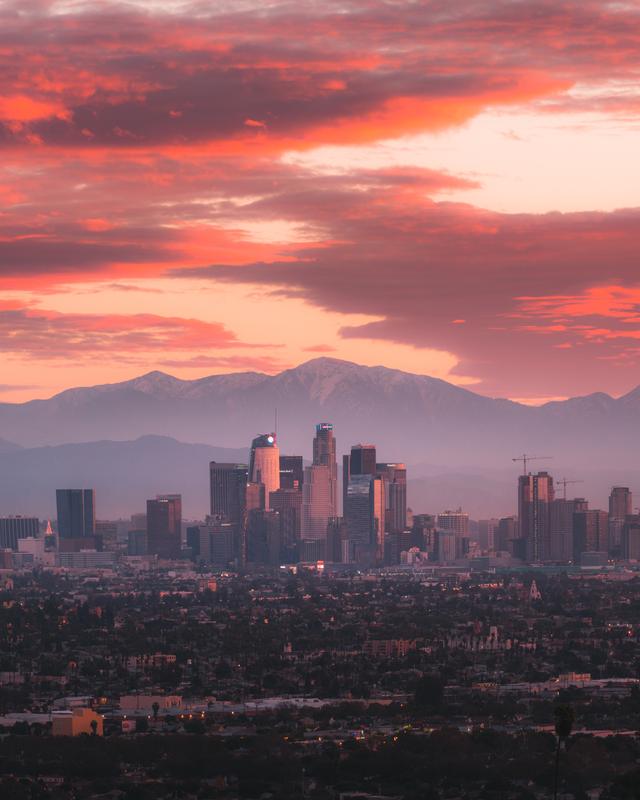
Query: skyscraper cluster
[282,511]
[553,529]
[276,510]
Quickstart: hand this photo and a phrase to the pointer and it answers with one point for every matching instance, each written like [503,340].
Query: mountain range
[437,428]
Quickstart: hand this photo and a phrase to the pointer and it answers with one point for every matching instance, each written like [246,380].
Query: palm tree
[564,726]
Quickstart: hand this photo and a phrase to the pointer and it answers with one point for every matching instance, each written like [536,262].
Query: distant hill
[413,418]
[124,474]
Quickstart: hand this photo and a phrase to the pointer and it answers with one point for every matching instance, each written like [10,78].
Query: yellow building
[73,723]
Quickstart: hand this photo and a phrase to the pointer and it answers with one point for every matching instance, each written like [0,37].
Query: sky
[449,189]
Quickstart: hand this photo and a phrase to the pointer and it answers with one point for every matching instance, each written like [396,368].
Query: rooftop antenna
[564,483]
[524,458]
[275,424]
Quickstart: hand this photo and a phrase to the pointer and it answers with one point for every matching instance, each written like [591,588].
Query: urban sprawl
[281,649]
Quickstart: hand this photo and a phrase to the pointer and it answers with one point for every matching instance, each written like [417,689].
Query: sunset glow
[448,189]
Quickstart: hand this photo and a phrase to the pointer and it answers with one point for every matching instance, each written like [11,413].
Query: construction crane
[524,458]
[564,483]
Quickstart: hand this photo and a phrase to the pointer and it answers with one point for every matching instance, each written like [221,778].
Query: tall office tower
[138,522]
[631,538]
[620,502]
[263,538]
[620,507]
[395,544]
[394,477]
[14,528]
[264,464]
[346,475]
[255,497]
[336,535]
[590,532]
[363,459]
[164,523]
[506,533]
[228,485]
[317,505]
[535,493]
[456,522]
[364,517]
[561,514]
[137,543]
[288,504]
[218,543]
[487,529]
[447,546]
[192,538]
[291,472]
[313,550]
[423,533]
[76,513]
[324,454]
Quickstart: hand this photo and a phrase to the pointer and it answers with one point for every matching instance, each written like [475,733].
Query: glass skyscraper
[264,464]
[76,513]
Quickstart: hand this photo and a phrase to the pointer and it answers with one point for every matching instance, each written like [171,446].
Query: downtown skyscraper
[320,487]
[394,477]
[164,526]
[324,454]
[364,518]
[76,510]
[228,491]
[264,464]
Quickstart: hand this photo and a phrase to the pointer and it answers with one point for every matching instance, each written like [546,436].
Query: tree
[564,725]
[142,726]
[429,692]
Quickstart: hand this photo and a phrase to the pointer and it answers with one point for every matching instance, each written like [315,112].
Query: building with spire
[264,464]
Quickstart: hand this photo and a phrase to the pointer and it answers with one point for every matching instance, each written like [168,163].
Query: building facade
[317,502]
[14,528]
[228,490]
[535,494]
[394,476]
[164,526]
[324,454]
[264,464]
[76,511]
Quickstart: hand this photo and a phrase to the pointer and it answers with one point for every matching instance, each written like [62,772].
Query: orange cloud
[22,108]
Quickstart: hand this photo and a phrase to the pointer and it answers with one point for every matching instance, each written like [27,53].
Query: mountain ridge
[158,379]
[414,418]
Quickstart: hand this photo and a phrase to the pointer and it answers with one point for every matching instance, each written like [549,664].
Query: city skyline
[276,510]
[445,190]
[319,399]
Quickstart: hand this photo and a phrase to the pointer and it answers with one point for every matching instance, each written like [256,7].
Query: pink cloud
[367,70]
[138,144]
[44,334]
